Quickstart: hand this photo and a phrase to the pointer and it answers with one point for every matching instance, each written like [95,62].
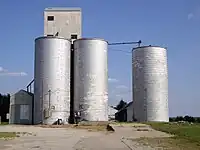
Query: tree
[179,118]
[172,119]
[121,104]
[197,120]
[189,119]
[4,106]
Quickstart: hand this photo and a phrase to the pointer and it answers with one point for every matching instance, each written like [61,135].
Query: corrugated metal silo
[21,108]
[150,84]
[52,80]
[91,79]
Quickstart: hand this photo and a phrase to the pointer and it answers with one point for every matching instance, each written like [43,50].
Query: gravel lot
[38,138]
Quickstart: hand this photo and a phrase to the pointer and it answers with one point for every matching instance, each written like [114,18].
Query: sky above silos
[171,24]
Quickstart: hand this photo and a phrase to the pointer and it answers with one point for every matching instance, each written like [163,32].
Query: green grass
[7,134]
[180,130]
[4,123]
[185,134]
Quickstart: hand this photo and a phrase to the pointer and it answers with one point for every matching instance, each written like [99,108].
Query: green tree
[189,119]
[4,106]
[179,118]
[121,104]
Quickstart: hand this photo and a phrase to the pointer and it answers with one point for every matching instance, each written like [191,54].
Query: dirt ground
[38,138]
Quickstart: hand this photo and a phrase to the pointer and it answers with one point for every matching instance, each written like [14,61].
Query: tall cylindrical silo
[52,80]
[91,79]
[150,84]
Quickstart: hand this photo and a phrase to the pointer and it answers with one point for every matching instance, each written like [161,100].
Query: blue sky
[172,24]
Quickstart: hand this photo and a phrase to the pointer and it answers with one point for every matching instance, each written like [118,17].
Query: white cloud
[13,74]
[112,80]
[118,95]
[4,72]
[190,16]
[2,69]
[194,14]
[121,87]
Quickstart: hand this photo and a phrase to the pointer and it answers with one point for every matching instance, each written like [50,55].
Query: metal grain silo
[91,79]
[21,108]
[52,80]
[150,84]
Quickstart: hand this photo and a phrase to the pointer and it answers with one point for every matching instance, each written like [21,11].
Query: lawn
[4,123]
[186,136]
[7,134]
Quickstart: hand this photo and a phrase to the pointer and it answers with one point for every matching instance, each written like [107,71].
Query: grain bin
[52,80]
[91,79]
[21,108]
[150,84]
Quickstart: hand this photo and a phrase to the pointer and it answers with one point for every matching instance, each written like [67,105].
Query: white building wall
[111,113]
[66,21]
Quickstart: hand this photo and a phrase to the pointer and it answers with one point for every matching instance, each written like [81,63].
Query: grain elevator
[91,79]
[150,84]
[52,79]
[70,71]
[64,22]
[71,75]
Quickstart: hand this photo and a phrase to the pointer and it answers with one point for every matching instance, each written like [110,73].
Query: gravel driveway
[38,138]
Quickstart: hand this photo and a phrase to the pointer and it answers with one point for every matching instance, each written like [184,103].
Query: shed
[21,108]
[111,113]
[125,114]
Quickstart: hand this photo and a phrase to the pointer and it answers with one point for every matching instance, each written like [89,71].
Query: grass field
[186,136]
[7,134]
[4,123]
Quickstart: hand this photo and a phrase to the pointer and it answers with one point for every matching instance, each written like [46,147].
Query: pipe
[121,43]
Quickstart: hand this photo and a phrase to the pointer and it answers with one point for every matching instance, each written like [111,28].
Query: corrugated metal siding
[130,113]
[18,100]
[150,84]
[52,79]
[91,79]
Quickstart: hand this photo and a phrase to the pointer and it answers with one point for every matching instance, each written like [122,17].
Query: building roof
[127,105]
[62,9]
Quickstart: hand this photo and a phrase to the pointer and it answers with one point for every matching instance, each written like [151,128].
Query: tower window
[73,36]
[50,18]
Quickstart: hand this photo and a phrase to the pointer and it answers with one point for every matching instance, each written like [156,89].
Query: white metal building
[66,22]
[111,113]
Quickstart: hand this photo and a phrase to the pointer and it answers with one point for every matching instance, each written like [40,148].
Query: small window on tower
[73,36]
[50,18]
